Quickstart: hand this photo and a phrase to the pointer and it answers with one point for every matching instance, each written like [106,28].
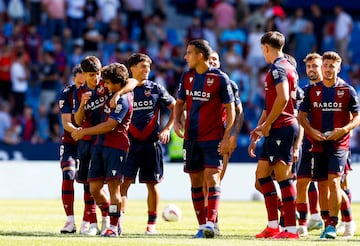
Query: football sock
[313,199]
[288,194]
[270,196]
[213,203]
[197,196]
[302,208]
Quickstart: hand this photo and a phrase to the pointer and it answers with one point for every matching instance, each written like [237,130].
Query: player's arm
[164,135]
[130,86]
[230,117]
[282,98]
[305,123]
[79,115]
[338,133]
[238,123]
[66,122]
[101,128]
[297,144]
[178,114]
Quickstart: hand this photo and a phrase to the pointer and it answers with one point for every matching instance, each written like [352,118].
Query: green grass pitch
[38,222]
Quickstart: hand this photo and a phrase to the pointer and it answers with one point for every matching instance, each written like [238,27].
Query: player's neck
[202,68]
[329,82]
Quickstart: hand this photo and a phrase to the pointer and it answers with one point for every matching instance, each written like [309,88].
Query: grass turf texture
[38,222]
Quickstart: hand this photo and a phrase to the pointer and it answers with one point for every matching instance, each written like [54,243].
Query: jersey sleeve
[164,96]
[77,92]
[65,101]
[279,74]
[227,95]
[305,103]
[235,90]
[181,91]
[354,101]
[121,109]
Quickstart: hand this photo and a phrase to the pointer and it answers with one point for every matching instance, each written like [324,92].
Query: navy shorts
[147,159]
[84,151]
[200,155]
[106,163]
[305,166]
[68,154]
[330,161]
[278,145]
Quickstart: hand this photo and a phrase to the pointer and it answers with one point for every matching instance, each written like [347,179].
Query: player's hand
[296,153]
[317,135]
[335,134]
[255,134]
[164,136]
[114,99]
[224,146]
[85,97]
[77,134]
[179,129]
[251,149]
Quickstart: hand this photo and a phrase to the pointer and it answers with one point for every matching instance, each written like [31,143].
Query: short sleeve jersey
[118,137]
[94,105]
[149,99]
[204,95]
[329,108]
[66,105]
[281,71]
[237,99]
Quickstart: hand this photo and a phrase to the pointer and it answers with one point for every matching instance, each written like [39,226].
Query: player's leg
[151,173]
[83,159]
[280,149]
[315,221]
[194,166]
[226,158]
[114,160]
[153,201]
[129,171]
[302,204]
[67,162]
[265,184]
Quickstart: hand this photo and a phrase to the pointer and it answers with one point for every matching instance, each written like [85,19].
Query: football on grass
[171,212]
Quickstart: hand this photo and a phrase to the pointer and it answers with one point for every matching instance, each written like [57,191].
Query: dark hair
[136,58]
[273,38]
[76,70]
[291,59]
[116,72]
[91,64]
[202,46]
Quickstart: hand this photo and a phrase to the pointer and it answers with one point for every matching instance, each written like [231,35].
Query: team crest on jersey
[275,74]
[340,93]
[191,79]
[210,81]
[318,93]
[147,93]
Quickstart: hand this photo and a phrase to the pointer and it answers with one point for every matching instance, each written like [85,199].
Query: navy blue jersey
[204,95]
[66,105]
[118,137]
[148,100]
[93,107]
[329,108]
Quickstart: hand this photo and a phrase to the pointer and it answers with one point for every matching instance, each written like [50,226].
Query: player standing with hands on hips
[204,90]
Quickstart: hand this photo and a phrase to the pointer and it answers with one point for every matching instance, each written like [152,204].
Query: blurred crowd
[42,40]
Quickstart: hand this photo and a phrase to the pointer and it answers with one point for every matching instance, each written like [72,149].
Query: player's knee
[68,175]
